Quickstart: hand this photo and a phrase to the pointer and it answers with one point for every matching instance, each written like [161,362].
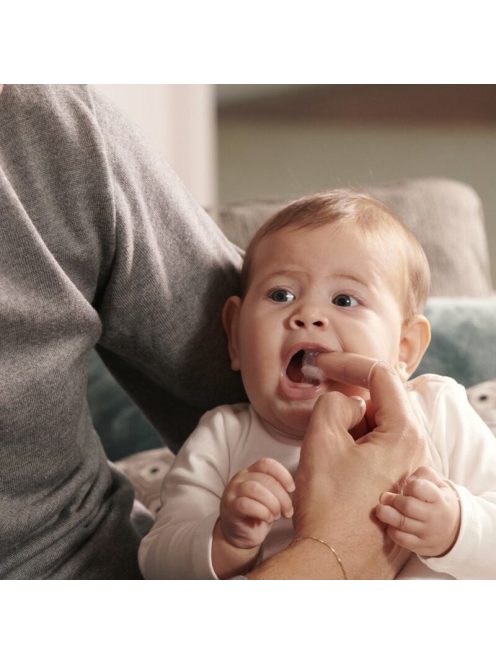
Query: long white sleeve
[467,454]
[179,544]
[227,439]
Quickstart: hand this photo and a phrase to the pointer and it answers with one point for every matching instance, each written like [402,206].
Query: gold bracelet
[334,552]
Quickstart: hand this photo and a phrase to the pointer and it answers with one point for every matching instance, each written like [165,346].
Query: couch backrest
[446,216]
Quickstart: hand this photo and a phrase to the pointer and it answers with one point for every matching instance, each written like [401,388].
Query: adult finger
[348,368]
[1,88]
[276,470]
[387,390]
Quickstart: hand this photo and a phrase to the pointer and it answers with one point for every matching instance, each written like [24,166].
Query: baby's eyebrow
[331,275]
[295,272]
[350,277]
[277,273]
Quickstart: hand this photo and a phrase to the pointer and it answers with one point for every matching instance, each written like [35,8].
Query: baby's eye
[343,300]
[281,295]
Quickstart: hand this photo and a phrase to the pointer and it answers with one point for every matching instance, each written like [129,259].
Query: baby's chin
[292,424]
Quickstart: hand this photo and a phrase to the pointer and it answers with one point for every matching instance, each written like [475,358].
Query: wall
[264,159]
[267,158]
[179,122]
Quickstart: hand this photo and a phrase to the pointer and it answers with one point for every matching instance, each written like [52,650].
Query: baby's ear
[415,339]
[230,320]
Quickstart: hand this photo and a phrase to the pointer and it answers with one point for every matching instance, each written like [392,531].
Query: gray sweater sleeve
[161,308]
[101,245]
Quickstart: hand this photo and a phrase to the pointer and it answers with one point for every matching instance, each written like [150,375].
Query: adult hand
[339,480]
[347,477]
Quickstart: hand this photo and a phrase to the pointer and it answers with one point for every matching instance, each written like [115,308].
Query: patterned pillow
[146,472]
[483,399]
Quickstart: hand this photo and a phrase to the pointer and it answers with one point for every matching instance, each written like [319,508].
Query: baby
[328,273]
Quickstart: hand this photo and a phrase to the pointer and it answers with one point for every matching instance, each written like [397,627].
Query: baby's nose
[308,320]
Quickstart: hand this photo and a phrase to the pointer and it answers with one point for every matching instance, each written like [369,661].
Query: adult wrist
[364,554]
[302,559]
[329,547]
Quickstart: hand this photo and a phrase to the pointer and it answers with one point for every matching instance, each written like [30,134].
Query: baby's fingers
[428,473]
[410,506]
[276,470]
[406,540]
[268,492]
[422,489]
[395,519]
[402,528]
[404,512]
[249,508]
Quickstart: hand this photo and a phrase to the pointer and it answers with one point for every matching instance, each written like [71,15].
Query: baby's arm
[179,544]
[465,450]
[425,517]
[252,501]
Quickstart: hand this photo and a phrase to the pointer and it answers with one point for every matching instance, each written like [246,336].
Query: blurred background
[232,143]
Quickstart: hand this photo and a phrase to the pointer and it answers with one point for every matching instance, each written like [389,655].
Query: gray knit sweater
[100,244]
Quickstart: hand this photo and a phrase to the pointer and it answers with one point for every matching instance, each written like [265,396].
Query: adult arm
[339,480]
[170,274]
[100,244]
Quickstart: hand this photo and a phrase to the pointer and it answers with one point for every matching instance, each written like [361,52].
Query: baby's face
[315,288]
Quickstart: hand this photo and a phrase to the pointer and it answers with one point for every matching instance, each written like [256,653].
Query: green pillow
[463,339]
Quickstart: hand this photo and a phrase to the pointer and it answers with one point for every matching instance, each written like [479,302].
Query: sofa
[447,218]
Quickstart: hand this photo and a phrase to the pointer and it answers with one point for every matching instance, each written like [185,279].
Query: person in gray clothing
[102,246]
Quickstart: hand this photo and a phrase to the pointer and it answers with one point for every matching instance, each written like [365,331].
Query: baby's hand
[424,519]
[253,500]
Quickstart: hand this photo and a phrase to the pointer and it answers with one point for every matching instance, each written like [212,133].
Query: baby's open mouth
[302,368]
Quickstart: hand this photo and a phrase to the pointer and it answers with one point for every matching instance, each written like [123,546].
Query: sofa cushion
[446,216]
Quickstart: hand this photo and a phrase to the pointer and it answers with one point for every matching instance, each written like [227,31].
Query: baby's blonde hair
[341,206]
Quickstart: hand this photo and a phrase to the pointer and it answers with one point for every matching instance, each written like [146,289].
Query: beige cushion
[445,215]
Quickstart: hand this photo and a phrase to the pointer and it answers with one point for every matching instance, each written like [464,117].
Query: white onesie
[230,438]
